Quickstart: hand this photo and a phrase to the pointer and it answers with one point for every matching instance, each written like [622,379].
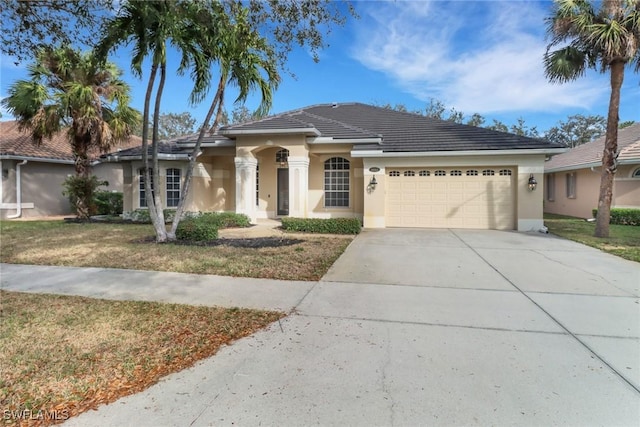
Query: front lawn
[128,246]
[63,355]
[623,240]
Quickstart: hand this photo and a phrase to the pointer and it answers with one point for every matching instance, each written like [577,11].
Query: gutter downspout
[18,213]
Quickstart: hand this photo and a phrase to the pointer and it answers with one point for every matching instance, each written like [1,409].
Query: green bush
[197,229]
[80,191]
[108,202]
[324,226]
[226,219]
[623,216]
[143,216]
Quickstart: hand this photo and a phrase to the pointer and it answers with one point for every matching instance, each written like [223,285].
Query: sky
[475,56]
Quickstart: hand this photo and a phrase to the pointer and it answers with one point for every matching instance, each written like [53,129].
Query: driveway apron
[428,327]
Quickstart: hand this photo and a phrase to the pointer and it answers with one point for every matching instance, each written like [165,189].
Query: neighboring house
[32,175]
[391,169]
[572,179]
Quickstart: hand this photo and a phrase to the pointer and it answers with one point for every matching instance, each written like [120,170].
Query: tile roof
[590,154]
[14,143]
[400,131]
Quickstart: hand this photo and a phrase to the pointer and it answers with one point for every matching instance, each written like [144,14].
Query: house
[389,168]
[32,175]
[572,179]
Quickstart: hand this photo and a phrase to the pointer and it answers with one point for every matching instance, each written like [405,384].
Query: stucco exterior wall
[42,186]
[626,192]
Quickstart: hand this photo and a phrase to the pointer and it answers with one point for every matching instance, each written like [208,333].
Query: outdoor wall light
[372,184]
[532,183]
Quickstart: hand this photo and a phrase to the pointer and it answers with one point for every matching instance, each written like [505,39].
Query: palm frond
[566,64]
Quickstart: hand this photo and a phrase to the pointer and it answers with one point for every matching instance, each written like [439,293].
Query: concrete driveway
[428,327]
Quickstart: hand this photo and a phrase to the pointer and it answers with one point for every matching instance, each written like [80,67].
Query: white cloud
[481,57]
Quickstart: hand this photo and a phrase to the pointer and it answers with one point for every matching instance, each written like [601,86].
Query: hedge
[225,219]
[222,219]
[108,202]
[197,229]
[324,226]
[622,216]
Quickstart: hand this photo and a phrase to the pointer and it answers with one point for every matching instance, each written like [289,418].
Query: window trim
[550,187]
[332,173]
[571,185]
[635,174]
[167,190]
[141,189]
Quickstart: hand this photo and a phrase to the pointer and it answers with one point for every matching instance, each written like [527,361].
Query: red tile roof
[590,154]
[14,143]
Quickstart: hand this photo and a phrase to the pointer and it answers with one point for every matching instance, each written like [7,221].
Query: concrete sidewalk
[194,289]
[409,327]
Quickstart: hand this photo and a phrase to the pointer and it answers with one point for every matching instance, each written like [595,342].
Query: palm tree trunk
[216,103]
[145,148]
[156,206]
[610,153]
[82,166]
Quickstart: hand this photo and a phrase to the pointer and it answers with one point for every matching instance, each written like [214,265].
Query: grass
[63,355]
[623,240]
[122,246]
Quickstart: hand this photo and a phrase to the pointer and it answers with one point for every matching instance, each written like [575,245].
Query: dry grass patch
[124,246]
[63,355]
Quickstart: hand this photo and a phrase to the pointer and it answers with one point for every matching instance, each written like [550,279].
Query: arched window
[505,172]
[472,172]
[424,173]
[488,172]
[173,187]
[440,173]
[456,173]
[394,173]
[409,173]
[282,156]
[636,173]
[142,199]
[336,182]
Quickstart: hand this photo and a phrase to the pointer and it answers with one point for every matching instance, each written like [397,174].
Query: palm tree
[606,39]
[69,89]
[151,26]
[205,34]
[242,56]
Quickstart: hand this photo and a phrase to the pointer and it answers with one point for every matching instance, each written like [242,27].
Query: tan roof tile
[591,153]
[19,144]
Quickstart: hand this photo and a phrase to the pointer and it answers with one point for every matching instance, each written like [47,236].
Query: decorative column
[298,186]
[246,186]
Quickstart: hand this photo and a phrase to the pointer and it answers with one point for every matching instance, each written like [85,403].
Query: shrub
[80,191]
[227,219]
[197,229]
[143,216]
[108,202]
[325,226]
[623,216]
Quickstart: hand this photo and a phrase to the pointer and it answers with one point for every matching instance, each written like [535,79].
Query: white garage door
[462,197]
